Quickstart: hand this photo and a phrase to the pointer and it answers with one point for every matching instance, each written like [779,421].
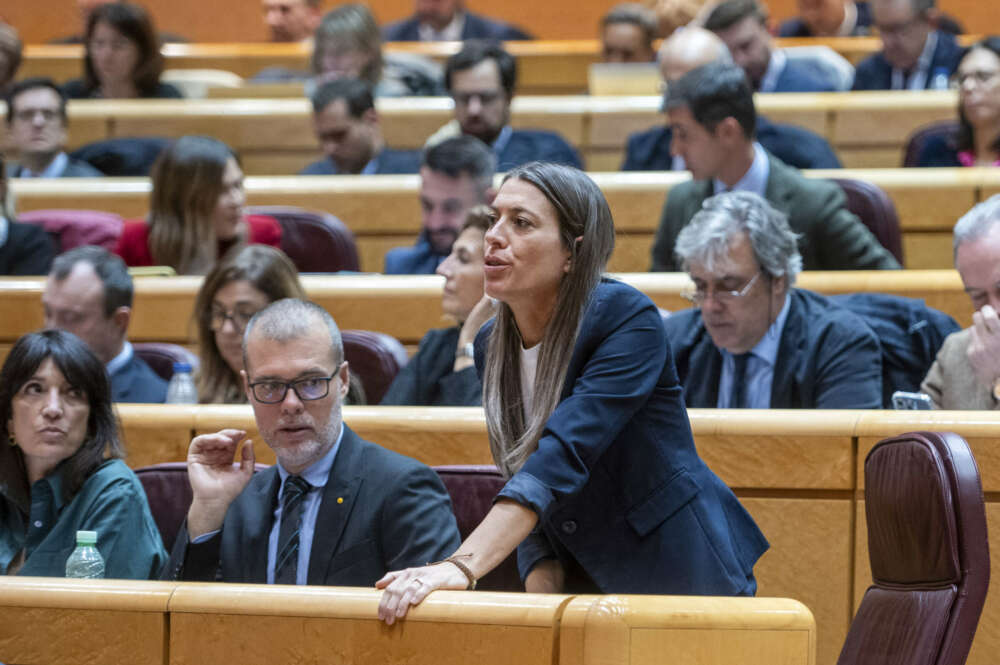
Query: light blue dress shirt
[760,367]
[53,170]
[754,180]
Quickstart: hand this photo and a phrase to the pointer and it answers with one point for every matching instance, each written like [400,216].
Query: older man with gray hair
[753,341]
[966,372]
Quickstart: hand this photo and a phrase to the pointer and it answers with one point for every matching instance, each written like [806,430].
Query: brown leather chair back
[918,139]
[314,241]
[928,550]
[876,211]
[472,489]
[161,356]
[376,358]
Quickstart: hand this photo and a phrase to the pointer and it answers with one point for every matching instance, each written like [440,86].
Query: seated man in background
[36,127]
[480,79]
[335,509]
[89,293]
[712,115]
[753,341]
[292,20]
[447,21]
[829,18]
[348,129]
[25,249]
[456,174]
[966,372]
[693,47]
[742,25]
[627,34]
[915,54]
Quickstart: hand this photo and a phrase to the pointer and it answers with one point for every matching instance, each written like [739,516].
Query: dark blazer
[29,250]
[875,72]
[616,480]
[828,358]
[832,238]
[77,89]
[795,27]
[795,146]
[528,145]
[395,513]
[798,76]
[389,161]
[429,378]
[939,151]
[136,382]
[476,27]
[75,168]
[421,259]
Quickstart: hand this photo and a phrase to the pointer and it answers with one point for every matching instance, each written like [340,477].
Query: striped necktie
[292,496]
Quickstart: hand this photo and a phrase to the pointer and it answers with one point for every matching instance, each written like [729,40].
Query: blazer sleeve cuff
[527,490]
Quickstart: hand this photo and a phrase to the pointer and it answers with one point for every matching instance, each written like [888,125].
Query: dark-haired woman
[62,471]
[585,416]
[977,142]
[122,59]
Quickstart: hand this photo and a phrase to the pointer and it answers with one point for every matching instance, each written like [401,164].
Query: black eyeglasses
[218,317]
[307,389]
[486,97]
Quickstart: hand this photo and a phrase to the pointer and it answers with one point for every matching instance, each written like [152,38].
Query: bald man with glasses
[335,510]
[753,341]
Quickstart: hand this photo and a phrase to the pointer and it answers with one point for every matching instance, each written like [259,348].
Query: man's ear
[121,317]
[370,116]
[246,385]
[345,379]
[729,130]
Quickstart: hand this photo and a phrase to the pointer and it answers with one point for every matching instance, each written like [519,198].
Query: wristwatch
[467,350]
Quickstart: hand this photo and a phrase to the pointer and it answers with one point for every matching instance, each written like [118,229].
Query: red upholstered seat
[376,358]
[314,241]
[73,228]
[929,555]
[876,211]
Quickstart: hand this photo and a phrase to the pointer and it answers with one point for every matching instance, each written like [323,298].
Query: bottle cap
[86,537]
[182,367]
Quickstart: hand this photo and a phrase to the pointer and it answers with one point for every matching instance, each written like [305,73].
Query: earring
[13,443]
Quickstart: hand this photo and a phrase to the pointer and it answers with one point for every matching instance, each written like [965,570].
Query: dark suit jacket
[136,382]
[794,27]
[429,378]
[795,146]
[75,168]
[616,480]
[421,259]
[29,250]
[875,72]
[798,76]
[939,151]
[476,27]
[396,513]
[828,358]
[389,161]
[528,145]
[832,238]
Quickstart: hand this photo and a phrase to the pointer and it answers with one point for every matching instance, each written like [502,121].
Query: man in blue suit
[348,129]
[447,20]
[753,341]
[89,293]
[915,55]
[742,25]
[693,47]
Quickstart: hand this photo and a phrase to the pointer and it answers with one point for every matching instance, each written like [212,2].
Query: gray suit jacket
[952,383]
[832,238]
[395,513]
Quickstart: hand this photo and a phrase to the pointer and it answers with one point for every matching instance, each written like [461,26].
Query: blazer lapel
[335,508]
[257,526]
[793,338]
[703,391]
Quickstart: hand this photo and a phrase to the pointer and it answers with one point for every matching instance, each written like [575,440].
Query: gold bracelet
[454,559]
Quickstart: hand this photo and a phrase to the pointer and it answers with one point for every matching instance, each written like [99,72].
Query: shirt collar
[122,359]
[766,349]
[317,473]
[371,168]
[917,79]
[754,180]
[449,33]
[501,141]
[775,66]
[4,230]
[850,22]
[55,168]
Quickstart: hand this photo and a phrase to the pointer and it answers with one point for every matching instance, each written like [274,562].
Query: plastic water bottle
[181,388]
[939,79]
[85,562]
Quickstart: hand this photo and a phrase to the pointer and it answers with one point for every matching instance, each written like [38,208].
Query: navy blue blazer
[137,382]
[421,259]
[616,481]
[795,27]
[799,76]
[29,250]
[939,150]
[875,72]
[828,358]
[395,514]
[476,27]
[795,146]
[529,145]
[430,379]
[389,162]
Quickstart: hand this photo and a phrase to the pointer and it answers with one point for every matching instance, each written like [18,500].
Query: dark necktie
[287,560]
[737,399]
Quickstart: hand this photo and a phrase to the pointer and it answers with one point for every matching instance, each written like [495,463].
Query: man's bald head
[688,48]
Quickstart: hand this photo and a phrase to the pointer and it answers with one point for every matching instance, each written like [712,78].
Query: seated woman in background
[442,372]
[348,43]
[977,142]
[122,59]
[244,282]
[196,210]
[55,479]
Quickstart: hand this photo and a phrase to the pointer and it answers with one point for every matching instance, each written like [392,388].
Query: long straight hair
[582,212]
[187,184]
